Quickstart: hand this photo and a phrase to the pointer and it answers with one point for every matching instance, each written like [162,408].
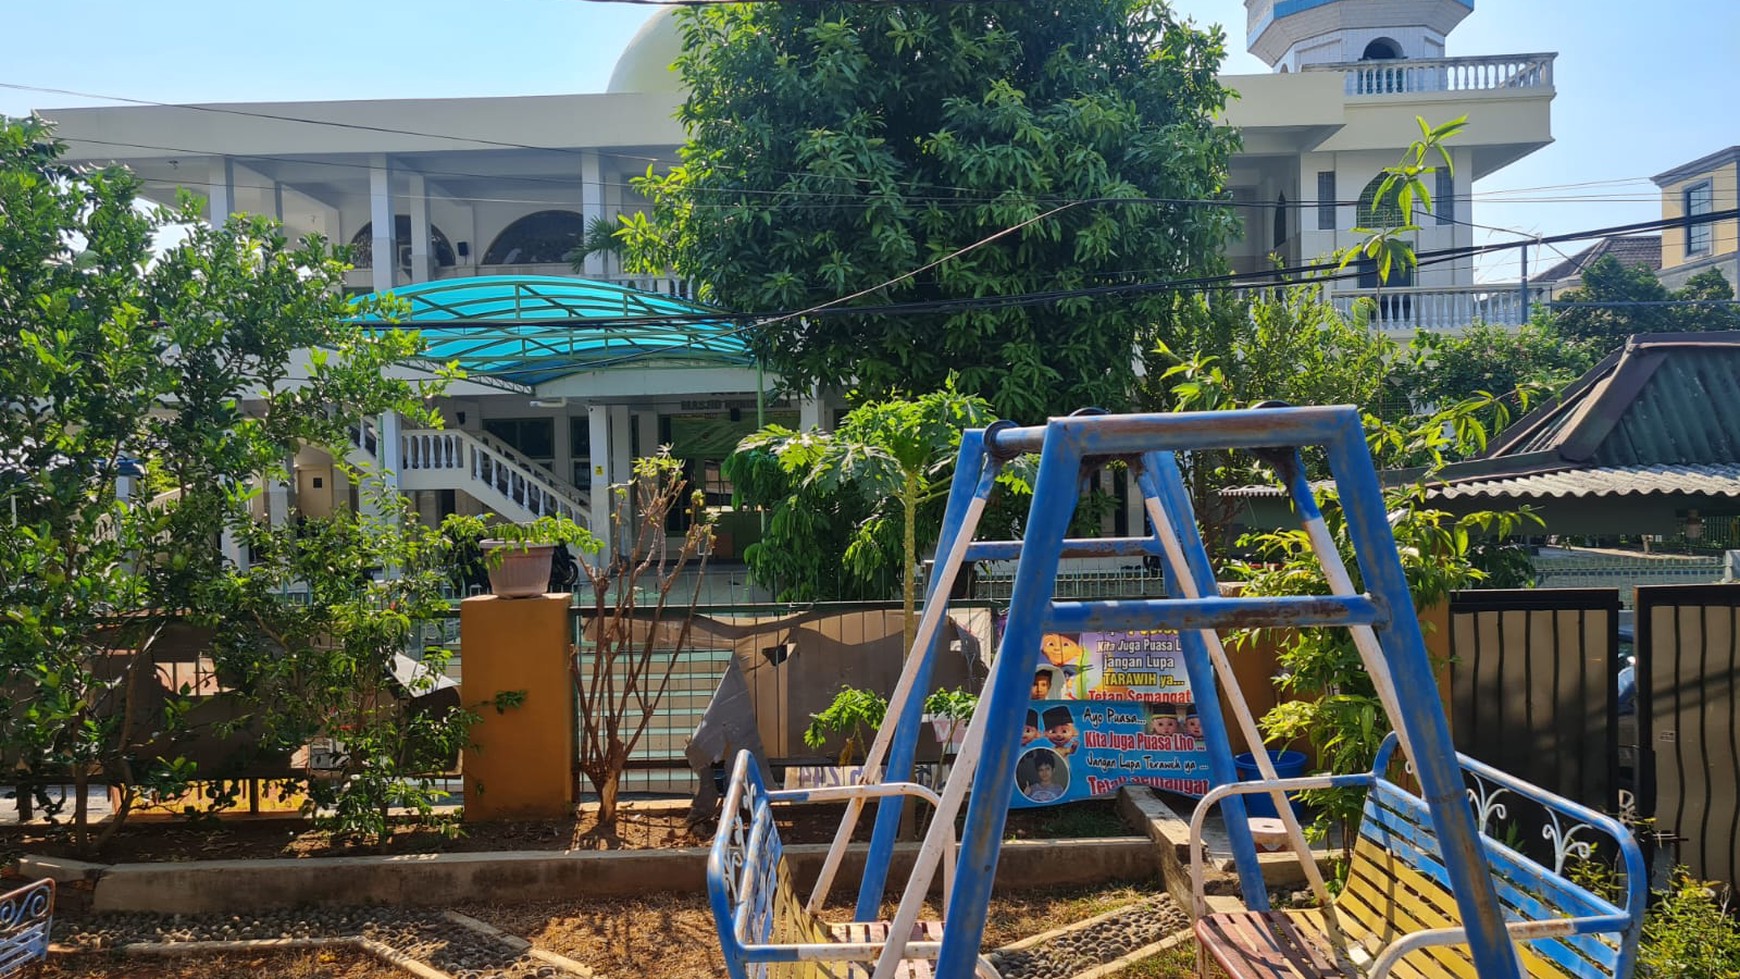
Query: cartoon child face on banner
[1110,709]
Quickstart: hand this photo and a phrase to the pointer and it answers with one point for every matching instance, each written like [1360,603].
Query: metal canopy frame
[533,329]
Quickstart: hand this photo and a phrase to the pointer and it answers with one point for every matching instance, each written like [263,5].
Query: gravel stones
[426,937]
[1080,949]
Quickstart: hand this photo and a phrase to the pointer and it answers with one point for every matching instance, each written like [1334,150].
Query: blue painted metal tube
[1008,687]
[1110,435]
[1160,479]
[974,477]
[1288,611]
[1435,764]
[1009,550]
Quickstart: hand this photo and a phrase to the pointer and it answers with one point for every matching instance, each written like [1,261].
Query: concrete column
[221,199]
[231,548]
[392,444]
[278,501]
[648,432]
[386,258]
[278,202]
[598,426]
[519,763]
[418,198]
[813,412]
[592,204]
[621,470]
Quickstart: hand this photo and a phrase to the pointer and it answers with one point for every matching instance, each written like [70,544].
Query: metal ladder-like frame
[1383,623]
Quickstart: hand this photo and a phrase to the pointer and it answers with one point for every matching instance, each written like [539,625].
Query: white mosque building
[467,207]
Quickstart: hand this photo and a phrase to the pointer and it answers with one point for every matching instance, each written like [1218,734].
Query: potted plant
[519,555]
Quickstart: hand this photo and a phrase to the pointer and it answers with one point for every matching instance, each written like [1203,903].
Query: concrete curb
[235,886]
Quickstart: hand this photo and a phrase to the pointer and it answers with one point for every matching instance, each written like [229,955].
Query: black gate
[1688,651]
[1534,681]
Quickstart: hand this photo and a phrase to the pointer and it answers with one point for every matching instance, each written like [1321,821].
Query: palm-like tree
[892,454]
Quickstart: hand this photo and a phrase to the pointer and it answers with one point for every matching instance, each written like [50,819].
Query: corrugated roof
[1660,416]
[1707,480]
[1664,399]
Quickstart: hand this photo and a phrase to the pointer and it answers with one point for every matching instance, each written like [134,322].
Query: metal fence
[1534,681]
[1688,664]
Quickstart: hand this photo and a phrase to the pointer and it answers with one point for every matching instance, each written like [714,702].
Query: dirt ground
[670,936]
[318,964]
[639,827]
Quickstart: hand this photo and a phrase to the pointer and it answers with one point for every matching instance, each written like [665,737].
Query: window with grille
[1326,200]
[1374,213]
[1444,197]
[1700,200]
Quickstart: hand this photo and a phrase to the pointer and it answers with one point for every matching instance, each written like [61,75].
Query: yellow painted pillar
[521,761]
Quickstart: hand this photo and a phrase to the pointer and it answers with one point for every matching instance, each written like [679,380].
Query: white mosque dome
[645,65]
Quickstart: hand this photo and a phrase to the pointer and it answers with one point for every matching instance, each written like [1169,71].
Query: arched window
[1375,214]
[362,245]
[540,238]
[1382,49]
[1281,221]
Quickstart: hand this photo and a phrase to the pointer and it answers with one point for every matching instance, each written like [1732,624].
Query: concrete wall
[236,886]
[1724,183]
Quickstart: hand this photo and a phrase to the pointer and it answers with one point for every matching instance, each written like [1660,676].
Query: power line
[1202,283]
[509,144]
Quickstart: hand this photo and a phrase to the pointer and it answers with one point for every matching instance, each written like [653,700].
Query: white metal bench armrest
[1199,817]
[1519,931]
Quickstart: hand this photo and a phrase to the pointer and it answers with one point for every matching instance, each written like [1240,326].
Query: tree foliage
[875,474]
[1700,305]
[207,366]
[1443,369]
[836,147]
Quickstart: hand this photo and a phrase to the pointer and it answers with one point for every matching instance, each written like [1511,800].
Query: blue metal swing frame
[1394,648]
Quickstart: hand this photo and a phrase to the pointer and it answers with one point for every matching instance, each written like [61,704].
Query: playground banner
[1109,709]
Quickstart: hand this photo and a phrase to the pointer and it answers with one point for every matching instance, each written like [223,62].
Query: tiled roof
[1704,480]
[1642,250]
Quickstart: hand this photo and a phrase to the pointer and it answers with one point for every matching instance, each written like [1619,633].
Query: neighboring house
[472,204]
[1629,251]
[1646,444]
[1704,186]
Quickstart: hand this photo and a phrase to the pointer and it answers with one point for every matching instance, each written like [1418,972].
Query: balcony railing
[667,285]
[1439,308]
[1493,73]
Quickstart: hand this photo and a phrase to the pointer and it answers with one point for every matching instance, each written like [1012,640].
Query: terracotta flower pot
[523,570]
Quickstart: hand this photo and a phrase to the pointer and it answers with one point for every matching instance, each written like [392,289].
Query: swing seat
[1396,912]
[26,915]
[765,930]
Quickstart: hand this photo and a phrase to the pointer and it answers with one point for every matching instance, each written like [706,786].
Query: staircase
[491,472]
[658,764]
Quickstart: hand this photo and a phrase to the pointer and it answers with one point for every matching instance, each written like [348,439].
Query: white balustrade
[1406,309]
[434,450]
[1410,77]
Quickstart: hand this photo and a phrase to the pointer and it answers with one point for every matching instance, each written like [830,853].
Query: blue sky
[1642,87]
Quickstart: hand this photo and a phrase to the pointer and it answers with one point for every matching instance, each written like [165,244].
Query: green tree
[1443,369]
[1285,344]
[877,470]
[958,151]
[1603,323]
[110,354]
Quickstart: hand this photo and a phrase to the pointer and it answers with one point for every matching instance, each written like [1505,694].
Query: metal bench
[765,929]
[1396,915]
[26,915]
